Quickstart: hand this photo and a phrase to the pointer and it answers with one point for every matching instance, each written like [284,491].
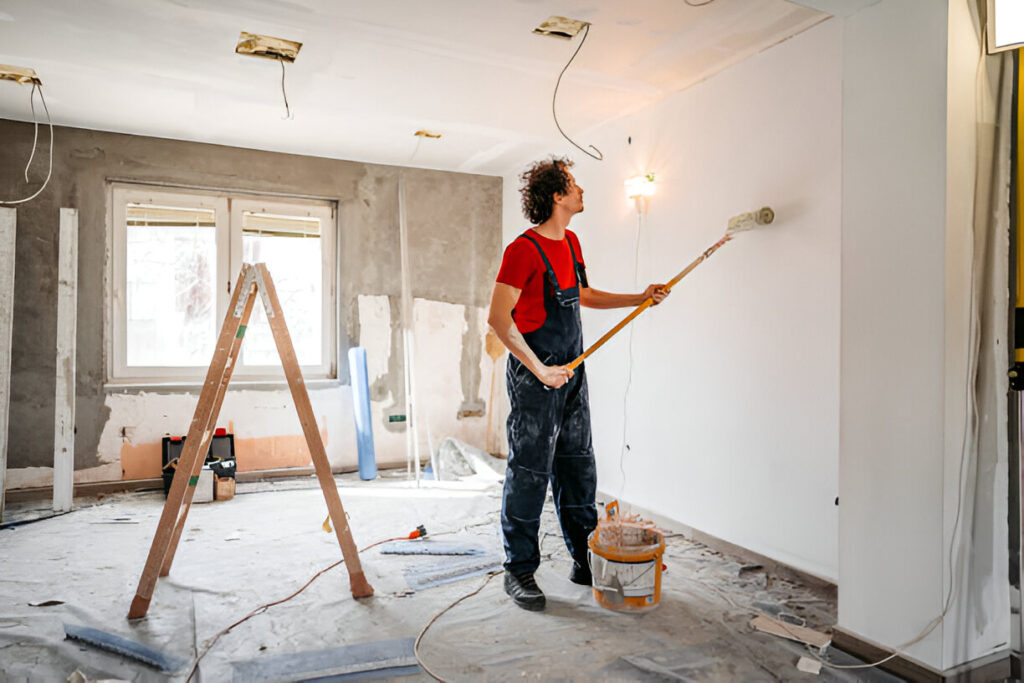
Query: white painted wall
[892,397]
[732,410]
[910,114]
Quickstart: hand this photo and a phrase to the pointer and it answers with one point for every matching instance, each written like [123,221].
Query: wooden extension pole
[648,302]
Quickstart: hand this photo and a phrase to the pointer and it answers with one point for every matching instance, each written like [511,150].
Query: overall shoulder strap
[547,263]
[581,270]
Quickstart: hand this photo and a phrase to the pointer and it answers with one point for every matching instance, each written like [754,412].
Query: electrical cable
[49,172]
[35,128]
[416,645]
[698,4]
[419,139]
[287,109]
[629,367]
[599,156]
[265,607]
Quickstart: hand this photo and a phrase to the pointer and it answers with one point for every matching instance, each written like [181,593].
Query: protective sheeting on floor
[82,569]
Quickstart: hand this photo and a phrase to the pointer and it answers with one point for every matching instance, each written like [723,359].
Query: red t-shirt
[523,268]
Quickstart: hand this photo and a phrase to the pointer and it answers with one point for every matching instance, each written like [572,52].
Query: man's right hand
[555,376]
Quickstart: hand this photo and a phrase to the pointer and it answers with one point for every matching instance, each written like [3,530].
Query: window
[176,257]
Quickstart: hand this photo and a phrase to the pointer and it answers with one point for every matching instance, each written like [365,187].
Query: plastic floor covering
[81,570]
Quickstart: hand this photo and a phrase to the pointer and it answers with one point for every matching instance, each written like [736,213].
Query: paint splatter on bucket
[625,561]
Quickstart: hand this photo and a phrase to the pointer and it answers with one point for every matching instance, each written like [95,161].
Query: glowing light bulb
[640,186]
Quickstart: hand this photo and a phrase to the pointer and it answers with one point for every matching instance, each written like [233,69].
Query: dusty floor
[268,541]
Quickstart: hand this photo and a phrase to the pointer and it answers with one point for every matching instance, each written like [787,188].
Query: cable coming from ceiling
[31,100]
[287,109]
[599,156]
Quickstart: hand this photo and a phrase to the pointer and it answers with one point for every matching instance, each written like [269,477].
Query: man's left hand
[657,293]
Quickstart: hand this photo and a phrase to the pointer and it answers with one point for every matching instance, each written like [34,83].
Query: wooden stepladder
[252,280]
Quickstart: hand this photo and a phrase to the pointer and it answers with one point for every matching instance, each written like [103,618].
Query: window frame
[325,213]
[228,208]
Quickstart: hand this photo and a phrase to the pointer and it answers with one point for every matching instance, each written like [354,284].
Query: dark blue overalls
[549,434]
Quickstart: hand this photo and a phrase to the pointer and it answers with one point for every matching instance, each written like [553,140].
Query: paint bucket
[625,561]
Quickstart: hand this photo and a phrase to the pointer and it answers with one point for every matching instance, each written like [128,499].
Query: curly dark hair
[540,183]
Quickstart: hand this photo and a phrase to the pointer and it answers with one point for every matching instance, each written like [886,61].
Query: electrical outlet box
[560,27]
[269,47]
[19,74]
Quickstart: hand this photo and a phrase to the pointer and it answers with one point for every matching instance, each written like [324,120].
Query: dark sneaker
[581,575]
[524,591]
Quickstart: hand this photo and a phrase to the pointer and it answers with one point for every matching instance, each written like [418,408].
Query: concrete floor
[268,541]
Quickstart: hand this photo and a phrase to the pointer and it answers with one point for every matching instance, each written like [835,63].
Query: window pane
[171,273]
[291,248]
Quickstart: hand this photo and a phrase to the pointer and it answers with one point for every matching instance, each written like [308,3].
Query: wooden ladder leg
[233,353]
[191,454]
[357,579]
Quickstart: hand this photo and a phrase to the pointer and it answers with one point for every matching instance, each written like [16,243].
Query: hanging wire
[287,109]
[419,139]
[49,172]
[629,367]
[698,4]
[35,127]
[598,156]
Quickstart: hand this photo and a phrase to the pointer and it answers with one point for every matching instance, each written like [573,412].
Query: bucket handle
[612,509]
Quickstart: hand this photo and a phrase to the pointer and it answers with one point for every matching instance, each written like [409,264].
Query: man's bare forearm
[516,344]
[595,298]
[551,375]
[503,301]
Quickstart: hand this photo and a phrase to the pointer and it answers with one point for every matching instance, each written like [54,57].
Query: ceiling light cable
[416,149]
[35,128]
[49,172]
[598,156]
[287,109]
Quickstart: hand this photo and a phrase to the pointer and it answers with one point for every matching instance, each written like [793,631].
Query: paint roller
[739,223]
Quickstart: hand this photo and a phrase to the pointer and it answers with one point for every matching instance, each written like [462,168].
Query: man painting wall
[535,311]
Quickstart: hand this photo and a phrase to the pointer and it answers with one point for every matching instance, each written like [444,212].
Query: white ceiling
[372,73]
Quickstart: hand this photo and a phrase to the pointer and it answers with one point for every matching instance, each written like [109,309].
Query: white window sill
[129,387]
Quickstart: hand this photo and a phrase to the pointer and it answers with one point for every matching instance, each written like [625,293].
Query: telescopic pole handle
[648,302]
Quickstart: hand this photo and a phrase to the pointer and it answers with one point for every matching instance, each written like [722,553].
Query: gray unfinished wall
[455,245]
